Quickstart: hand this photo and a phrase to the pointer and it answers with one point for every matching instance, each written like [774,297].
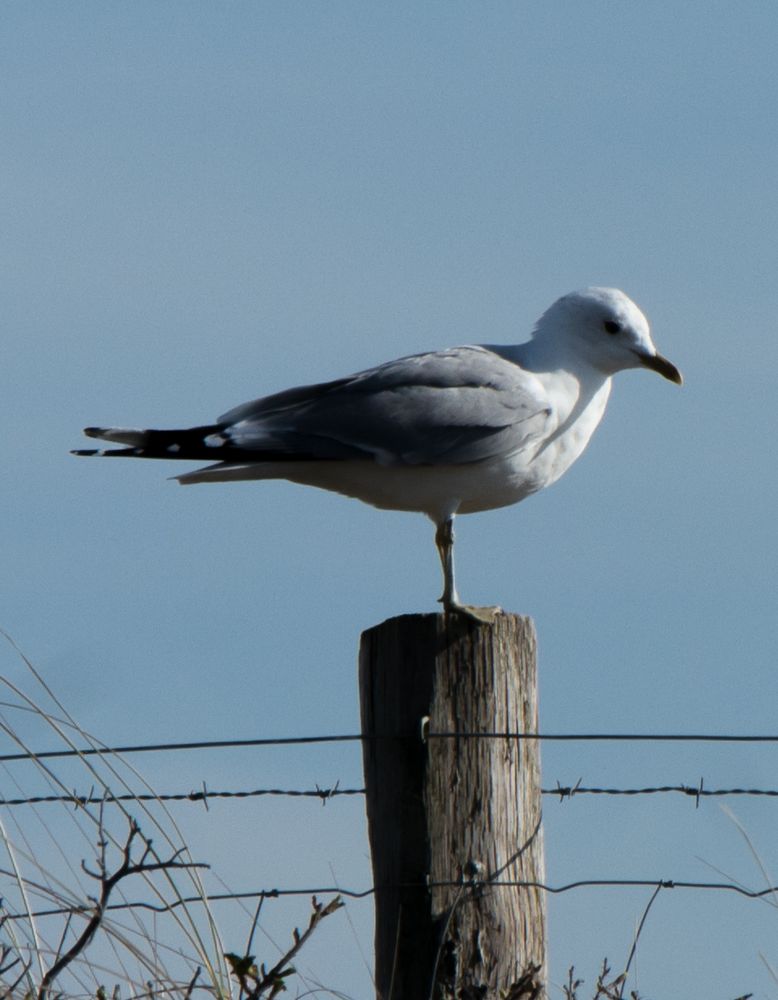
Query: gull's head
[605,328]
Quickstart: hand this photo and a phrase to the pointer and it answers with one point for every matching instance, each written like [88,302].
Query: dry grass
[65,877]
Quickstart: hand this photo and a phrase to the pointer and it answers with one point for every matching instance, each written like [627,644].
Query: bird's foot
[482,615]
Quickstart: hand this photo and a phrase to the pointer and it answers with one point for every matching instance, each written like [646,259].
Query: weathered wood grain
[453,810]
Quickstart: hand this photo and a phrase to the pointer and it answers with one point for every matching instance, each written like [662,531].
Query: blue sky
[203,203]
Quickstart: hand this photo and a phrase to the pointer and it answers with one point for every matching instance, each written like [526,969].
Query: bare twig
[108,883]
[609,990]
[604,990]
[571,986]
[256,982]
[633,950]
[192,981]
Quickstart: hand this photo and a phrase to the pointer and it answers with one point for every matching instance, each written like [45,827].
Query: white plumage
[445,433]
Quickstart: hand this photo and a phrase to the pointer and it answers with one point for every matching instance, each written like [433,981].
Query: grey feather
[450,407]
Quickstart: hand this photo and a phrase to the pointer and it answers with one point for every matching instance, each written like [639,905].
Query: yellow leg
[444,539]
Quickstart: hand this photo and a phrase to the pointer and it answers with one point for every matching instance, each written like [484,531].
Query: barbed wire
[696,792]
[202,795]
[472,884]
[363,737]
[324,794]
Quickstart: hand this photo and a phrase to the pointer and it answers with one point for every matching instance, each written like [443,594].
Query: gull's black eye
[611,326]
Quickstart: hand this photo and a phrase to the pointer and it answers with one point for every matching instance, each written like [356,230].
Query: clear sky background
[203,203]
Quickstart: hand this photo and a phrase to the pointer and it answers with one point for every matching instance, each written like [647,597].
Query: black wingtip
[110,452]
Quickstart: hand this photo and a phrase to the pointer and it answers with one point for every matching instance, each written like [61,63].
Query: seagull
[443,433]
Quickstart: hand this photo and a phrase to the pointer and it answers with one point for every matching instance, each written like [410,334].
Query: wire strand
[199,796]
[362,737]
[473,884]
[564,792]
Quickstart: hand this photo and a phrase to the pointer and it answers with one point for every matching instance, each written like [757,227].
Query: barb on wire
[695,792]
[202,795]
[324,794]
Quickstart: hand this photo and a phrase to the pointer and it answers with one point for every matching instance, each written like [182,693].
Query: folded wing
[464,405]
[449,407]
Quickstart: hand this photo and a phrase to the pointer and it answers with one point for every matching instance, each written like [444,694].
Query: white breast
[578,404]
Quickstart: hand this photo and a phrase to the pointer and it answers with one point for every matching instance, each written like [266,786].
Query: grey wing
[449,407]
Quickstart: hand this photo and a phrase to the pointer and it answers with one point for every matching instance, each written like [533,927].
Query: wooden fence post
[448,815]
